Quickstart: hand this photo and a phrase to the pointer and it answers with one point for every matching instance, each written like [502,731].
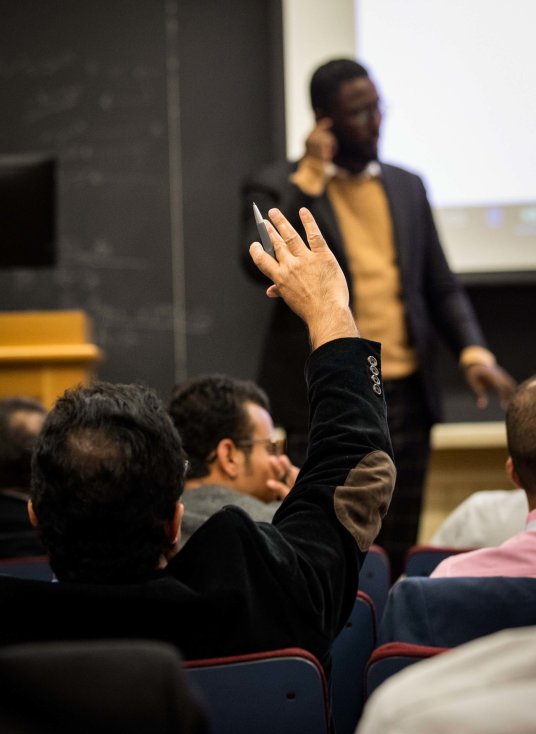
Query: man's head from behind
[227,433]
[342,90]
[521,436]
[107,476]
[21,420]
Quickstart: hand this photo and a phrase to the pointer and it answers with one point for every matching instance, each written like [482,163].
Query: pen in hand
[263,232]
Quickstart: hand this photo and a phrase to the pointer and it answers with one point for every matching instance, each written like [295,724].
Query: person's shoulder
[397,173]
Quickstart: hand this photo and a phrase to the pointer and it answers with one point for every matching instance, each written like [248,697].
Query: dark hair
[108,470]
[327,79]
[16,442]
[209,408]
[521,433]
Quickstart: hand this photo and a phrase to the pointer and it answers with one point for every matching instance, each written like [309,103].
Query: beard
[356,155]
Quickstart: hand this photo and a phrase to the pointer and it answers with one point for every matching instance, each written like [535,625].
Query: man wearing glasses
[235,457]
[377,220]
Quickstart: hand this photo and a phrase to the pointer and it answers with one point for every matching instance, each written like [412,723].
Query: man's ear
[226,455]
[512,473]
[31,514]
[173,526]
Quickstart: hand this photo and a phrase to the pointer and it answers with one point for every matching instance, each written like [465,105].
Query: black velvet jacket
[240,586]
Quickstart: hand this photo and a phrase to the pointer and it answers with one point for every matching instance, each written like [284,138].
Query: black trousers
[409,424]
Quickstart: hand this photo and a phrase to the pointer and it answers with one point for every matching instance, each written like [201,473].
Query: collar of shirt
[371,170]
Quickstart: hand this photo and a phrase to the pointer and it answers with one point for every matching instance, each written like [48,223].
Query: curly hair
[327,79]
[17,441]
[108,469]
[209,408]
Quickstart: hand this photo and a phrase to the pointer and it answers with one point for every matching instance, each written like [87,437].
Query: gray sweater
[204,501]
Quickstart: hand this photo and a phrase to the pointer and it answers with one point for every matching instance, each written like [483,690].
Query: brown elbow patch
[363,500]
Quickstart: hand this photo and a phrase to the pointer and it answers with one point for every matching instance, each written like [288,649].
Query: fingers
[265,262]
[275,238]
[273,292]
[279,489]
[314,236]
[477,385]
[284,470]
[291,238]
[286,232]
[482,378]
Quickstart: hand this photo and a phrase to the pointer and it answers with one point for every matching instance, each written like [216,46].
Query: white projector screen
[458,79]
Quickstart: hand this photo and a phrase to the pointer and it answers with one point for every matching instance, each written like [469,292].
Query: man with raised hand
[107,486]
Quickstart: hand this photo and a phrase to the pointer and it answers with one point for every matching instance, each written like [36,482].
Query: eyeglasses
[367,114]
[275,447]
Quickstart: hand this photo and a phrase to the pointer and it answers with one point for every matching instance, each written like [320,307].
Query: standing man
[377,220]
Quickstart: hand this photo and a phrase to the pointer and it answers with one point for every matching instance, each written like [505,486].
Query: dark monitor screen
[27,211]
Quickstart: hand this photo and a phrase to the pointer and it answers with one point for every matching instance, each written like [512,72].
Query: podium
[44,352]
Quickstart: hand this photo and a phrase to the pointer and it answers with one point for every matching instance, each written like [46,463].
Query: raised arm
[334,511]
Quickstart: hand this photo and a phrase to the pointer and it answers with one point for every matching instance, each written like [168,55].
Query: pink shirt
[515,557]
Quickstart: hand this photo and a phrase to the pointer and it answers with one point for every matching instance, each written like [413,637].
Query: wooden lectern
[44,352]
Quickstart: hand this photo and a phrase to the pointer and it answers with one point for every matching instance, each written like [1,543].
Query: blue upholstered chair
[281,692]
[421,560]
[31,567]
[391,658]
[375,578]
[350,653]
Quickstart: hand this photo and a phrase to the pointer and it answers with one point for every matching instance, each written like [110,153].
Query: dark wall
[155,111]
[232,120]
[86,81]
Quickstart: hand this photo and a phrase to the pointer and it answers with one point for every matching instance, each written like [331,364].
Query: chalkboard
[86,82]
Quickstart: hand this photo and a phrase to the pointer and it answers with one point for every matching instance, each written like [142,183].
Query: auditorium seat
[391,658]
[350,653]
[281,691]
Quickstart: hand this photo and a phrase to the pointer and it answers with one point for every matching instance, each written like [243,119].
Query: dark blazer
[434,299]
[453,611]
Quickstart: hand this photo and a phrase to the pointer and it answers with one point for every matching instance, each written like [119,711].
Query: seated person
[21,419]
[485,518]
[106,494]
[228,436]
[483,687]
[517,555]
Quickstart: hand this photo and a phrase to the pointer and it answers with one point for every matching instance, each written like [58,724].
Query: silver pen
[263,232]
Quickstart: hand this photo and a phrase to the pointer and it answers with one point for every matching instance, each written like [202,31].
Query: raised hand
[309,279]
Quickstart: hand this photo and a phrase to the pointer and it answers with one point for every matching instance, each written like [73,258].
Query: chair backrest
[350,652]
[391,658]
[281,691]
[31,567]
[98,686]
[375,577]
[447,612]
[421,560]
